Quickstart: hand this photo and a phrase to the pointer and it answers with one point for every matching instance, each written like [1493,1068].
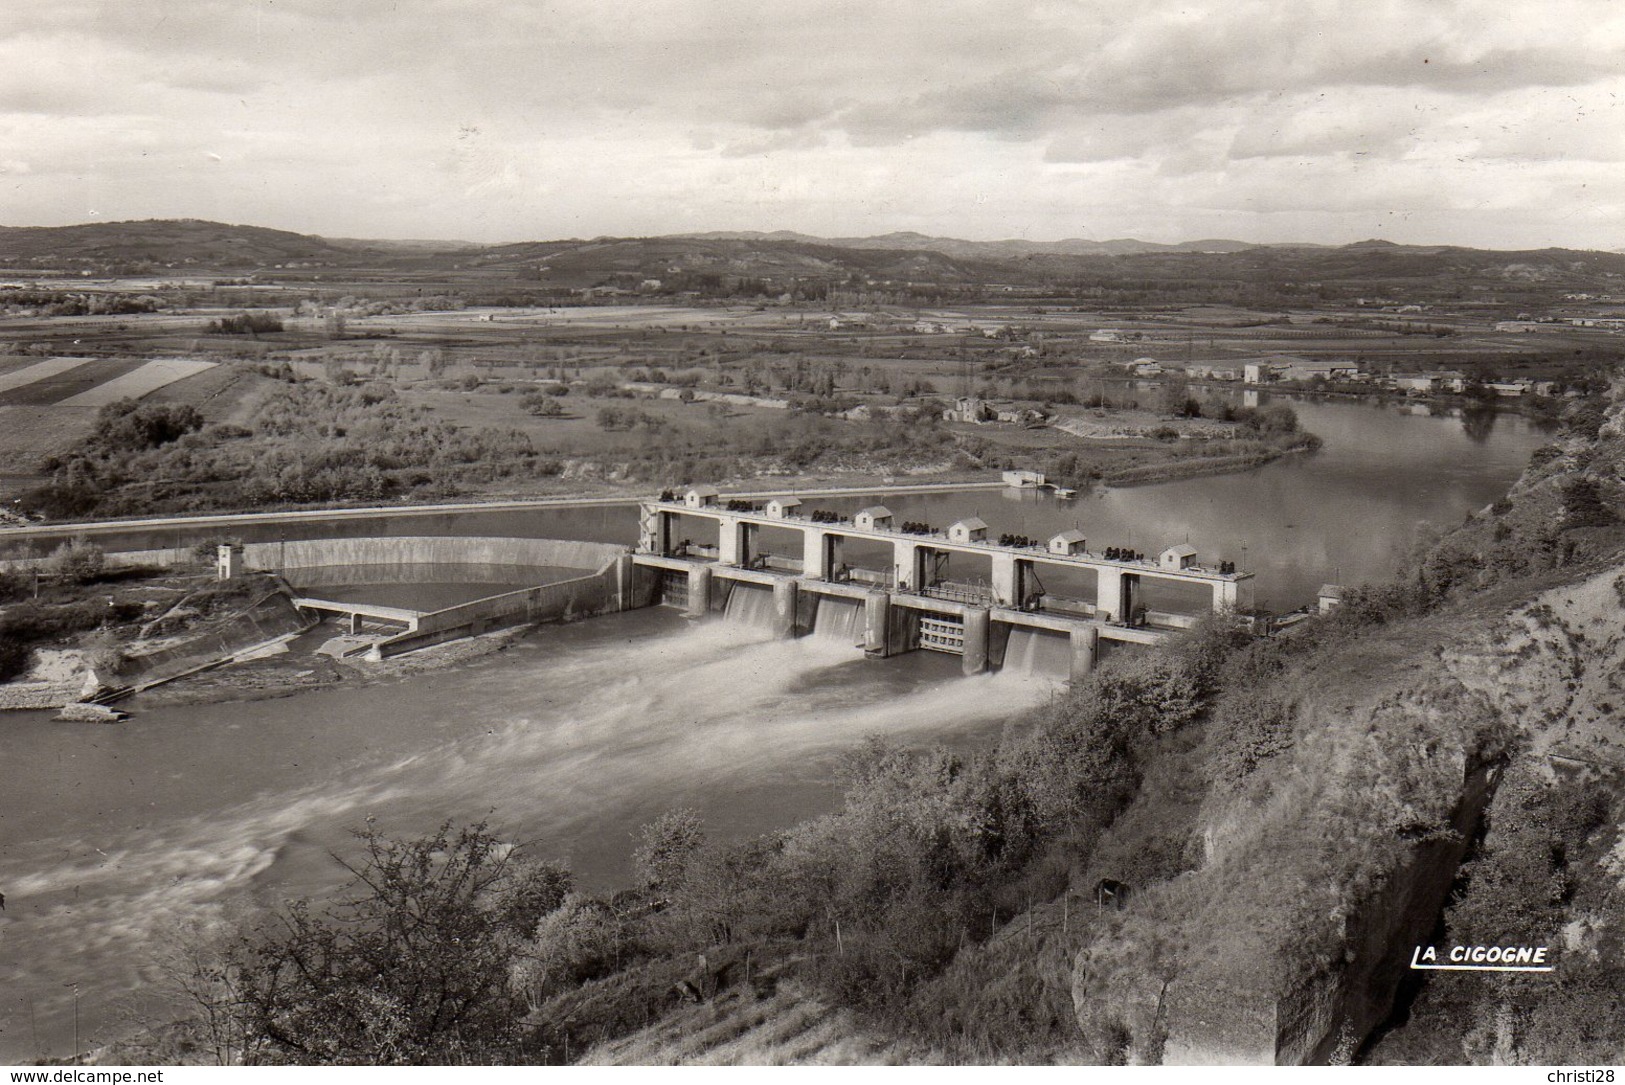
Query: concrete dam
[911,580]
[882,585]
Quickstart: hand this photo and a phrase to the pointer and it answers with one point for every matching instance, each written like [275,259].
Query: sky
[1493,124]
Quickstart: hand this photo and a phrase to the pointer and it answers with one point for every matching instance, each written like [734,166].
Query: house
[1147,367]
[1107,335]
[1178,557]
[1412,383]
[1330,597]
[783,508]
[1070,541]
[1509,389]
[873,518]
[698,497]
[1327,371]
[1262,372]
[1024,478]
[970,529]
[970,409]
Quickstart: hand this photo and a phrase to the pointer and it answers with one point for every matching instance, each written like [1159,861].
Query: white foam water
[118,837]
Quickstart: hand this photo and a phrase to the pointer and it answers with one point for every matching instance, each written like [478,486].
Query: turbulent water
[112,839]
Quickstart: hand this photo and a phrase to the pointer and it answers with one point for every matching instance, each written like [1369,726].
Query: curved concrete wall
[385,550]
[430,550]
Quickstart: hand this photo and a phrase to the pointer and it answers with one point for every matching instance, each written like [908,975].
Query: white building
[873,518]
[1178,557]
[782,508]
[698,497]
[1070,541]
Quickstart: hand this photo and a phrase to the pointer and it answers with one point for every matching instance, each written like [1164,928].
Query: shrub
[414,968]
[246,324]
[79,561]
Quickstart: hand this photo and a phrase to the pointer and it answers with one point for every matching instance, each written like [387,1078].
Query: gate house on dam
[903,575]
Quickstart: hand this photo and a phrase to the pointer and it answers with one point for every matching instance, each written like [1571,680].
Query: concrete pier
[784,608]
[877,624]
[1085,652]
[699,591]
[978,621]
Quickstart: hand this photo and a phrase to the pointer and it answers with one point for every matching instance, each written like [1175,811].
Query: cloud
[979,117]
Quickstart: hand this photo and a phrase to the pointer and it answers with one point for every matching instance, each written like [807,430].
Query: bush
[78,562]
[412,969]
[246,324]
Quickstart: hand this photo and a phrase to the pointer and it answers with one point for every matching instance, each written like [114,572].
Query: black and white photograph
[975,533]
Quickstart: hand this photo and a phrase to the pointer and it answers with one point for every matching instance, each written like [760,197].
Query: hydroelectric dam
[950,590]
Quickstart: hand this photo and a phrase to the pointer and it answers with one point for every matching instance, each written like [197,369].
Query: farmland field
[37,371]
[138,382]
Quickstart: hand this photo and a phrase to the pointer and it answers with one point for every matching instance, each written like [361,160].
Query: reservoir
[116,841]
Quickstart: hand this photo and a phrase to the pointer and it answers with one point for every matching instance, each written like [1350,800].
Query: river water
[114,839]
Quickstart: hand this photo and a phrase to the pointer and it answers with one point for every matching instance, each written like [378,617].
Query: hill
[162,243]
[781,260]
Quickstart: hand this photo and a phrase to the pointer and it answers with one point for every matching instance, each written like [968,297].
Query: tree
[665,847]
[412,968]
[79,561]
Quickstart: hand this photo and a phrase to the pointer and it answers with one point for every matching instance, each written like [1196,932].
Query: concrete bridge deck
[1013,569]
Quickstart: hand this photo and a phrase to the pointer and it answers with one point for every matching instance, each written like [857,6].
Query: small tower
[228,561]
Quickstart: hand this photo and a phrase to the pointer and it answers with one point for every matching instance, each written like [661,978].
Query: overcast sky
[1496,124]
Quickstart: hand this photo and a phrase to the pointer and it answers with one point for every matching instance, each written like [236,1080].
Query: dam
[910,578]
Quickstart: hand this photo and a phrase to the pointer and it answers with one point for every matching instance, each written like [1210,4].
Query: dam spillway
[908,582]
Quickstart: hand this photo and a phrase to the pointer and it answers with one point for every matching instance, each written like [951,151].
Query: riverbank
[303,671]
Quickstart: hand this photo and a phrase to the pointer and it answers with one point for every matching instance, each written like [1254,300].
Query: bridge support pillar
[906,556]
[815,553]
[730,541]
[1233,595]
[1109,594]
[1085,652]
[978,623]
[355,624]
[1117,595]
[699,592]
[1006,580]
[626,580]
[877,624]
[784,608]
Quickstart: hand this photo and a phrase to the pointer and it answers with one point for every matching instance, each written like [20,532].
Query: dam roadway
[56,532]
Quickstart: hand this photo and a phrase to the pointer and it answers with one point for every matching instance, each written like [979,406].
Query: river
[113,840]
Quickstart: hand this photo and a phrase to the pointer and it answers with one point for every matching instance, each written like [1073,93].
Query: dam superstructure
[910,578]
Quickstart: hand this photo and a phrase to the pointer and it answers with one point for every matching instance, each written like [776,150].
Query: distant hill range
[188,245]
